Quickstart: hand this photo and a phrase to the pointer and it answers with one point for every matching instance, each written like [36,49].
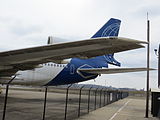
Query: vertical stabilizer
[111,28]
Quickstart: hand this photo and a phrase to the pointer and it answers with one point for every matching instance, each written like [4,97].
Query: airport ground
[131,108]
[27,104]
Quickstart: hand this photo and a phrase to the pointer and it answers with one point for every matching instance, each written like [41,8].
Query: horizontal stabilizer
[112,70]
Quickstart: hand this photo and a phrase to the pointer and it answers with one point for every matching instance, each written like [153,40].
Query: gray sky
[26,23]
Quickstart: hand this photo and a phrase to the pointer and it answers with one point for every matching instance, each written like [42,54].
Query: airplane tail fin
[111,28]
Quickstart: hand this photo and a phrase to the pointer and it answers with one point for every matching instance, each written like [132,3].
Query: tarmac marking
[119,110]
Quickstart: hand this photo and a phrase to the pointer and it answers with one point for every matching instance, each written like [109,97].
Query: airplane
[67,63]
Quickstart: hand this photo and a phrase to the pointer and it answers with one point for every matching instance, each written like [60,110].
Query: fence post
[66,102]
[100,97]
[6,96]
[115,95]
[104,102]
[80,101]
[89,98]
[45,99]
[121,95]
[109,97]
[95,99]
[118,95]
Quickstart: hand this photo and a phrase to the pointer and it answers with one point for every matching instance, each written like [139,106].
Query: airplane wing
[29,58]
[112,70]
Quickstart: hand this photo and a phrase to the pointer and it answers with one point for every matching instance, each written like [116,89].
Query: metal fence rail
[65,103]
[93,98]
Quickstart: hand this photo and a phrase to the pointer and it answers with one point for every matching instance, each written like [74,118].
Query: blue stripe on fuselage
[70,75]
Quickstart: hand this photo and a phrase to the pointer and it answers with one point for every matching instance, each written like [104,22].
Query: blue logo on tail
[111,28]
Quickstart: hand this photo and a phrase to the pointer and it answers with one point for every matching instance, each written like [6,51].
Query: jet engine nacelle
[65,61]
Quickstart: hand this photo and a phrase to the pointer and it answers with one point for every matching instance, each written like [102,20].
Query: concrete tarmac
[126,109]
[28,105]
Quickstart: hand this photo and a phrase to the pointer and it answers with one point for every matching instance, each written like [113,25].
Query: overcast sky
[26,23]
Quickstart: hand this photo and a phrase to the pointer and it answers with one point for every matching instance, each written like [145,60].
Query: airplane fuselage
[56,74]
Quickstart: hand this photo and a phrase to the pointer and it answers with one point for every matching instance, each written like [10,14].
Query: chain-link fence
[59,103]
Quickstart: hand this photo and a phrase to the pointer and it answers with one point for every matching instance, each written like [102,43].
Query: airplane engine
[64,61]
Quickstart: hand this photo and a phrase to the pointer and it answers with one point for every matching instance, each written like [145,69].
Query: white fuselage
[38,76]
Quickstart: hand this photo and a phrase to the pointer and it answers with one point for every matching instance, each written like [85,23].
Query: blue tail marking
[110,29]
